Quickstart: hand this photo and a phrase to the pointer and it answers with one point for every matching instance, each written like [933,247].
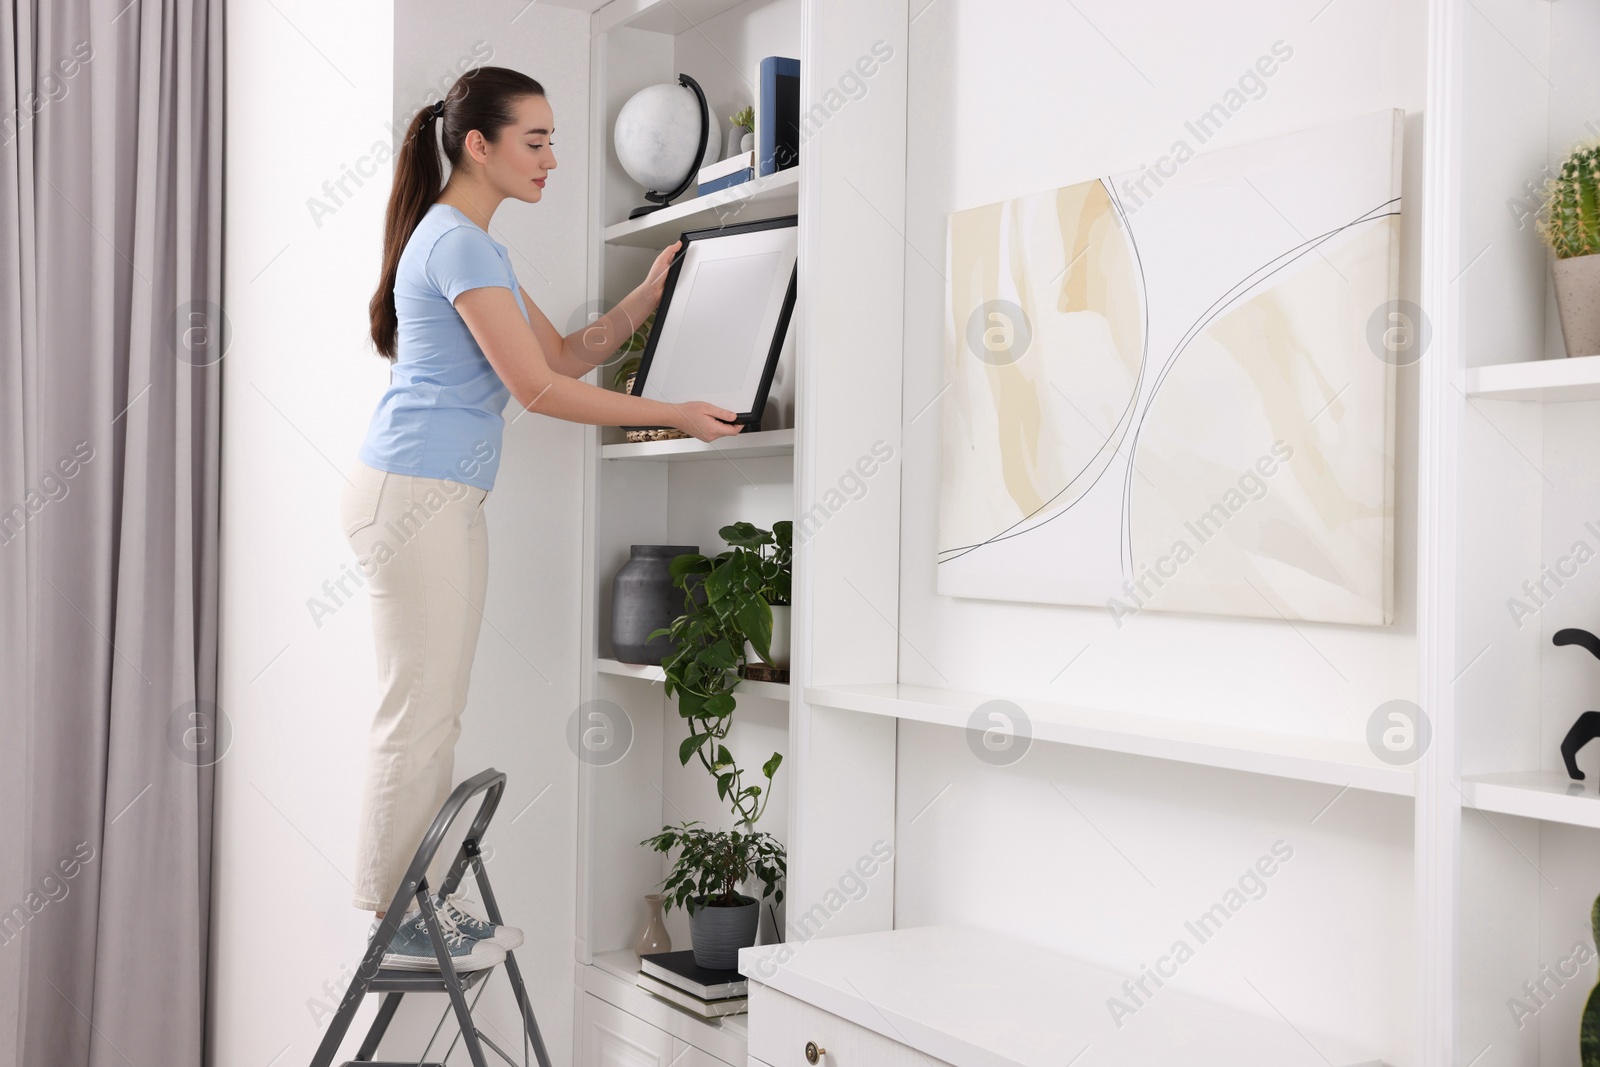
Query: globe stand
[661,200]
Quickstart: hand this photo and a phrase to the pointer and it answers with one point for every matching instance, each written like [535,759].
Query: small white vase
[780,639]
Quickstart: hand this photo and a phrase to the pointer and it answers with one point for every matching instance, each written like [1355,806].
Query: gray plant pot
[1578,300]
[718,934]
[643,599]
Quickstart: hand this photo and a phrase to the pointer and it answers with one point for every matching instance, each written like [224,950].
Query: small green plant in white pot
[741,136]
[1569,222]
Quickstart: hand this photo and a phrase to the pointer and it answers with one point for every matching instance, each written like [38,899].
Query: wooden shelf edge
[1292,756]
[1548,380]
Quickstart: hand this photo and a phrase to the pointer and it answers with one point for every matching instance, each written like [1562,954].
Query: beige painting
[1175,392]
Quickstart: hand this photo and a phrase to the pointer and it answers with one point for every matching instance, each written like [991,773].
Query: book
[706,1009]
[735,170]
[778,115]
[723,167]
[679,969]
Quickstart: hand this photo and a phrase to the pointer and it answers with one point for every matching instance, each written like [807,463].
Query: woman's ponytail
[483,99]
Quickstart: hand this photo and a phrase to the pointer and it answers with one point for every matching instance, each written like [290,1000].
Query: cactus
[1569,220]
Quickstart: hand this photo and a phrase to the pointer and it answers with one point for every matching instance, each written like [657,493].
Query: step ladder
[370,977]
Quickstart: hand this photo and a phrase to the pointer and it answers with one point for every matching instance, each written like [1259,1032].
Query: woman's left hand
[655,282]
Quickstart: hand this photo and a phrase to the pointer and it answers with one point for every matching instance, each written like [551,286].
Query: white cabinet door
[613,1038]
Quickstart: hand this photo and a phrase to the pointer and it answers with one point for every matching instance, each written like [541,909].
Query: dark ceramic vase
[643,599]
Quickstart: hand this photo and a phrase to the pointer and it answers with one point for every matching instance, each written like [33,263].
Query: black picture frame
[751,418]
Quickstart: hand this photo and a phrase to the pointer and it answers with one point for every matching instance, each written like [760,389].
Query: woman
[464,337]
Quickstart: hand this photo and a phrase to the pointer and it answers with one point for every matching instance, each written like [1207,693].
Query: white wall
[312,90]
[1094,853]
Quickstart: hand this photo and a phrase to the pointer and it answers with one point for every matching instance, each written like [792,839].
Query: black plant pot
[718,934]
[643,599]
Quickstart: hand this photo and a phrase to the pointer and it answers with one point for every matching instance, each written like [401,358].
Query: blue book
[738,177]
[778,115]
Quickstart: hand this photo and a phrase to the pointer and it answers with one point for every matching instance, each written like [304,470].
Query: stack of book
[735,170]
[676,978]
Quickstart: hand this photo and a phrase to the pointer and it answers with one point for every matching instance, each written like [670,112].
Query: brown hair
[482,99]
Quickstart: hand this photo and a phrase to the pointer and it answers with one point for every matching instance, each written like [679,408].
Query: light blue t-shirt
[440,416]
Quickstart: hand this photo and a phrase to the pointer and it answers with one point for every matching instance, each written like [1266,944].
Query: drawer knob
[813,1053]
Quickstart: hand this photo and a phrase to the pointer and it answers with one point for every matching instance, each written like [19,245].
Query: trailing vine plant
[727,599]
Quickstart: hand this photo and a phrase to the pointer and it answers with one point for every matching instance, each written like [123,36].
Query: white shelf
[976,999]
[1282,755]
[613,978]
[658,16]
[1547,795]
[1550,380]
[747,445]
[645,672]
[760,198]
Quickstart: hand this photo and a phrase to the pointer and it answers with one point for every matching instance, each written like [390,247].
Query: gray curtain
[110,341]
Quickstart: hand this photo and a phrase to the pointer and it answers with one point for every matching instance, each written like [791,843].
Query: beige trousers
[423,548]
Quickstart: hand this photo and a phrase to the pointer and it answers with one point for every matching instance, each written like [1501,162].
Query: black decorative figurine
[1587,728]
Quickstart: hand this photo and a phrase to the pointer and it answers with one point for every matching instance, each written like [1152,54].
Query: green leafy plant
[1569,220]
[635,343]
[745,118]
[712,863]
[727,600]
[1589,1022]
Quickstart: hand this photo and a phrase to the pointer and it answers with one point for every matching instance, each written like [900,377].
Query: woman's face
[516,165]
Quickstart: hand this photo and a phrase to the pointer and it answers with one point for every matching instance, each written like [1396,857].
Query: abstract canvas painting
[1174,391]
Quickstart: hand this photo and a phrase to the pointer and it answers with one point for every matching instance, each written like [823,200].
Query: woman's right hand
[704,421]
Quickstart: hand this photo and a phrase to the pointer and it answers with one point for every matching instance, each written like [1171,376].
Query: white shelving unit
[677,492]
[1508,862]
[1507,472]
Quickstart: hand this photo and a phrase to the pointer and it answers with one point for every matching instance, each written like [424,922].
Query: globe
[655,136]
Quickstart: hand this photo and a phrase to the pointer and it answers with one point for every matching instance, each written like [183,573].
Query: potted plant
[705,879]
[741,133]
[725,613]
[727,619]
[622,379]
[766,560]
[1569,222]
[743,612]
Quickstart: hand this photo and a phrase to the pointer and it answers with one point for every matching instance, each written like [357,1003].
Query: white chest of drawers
[788,1025]
[950,996]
